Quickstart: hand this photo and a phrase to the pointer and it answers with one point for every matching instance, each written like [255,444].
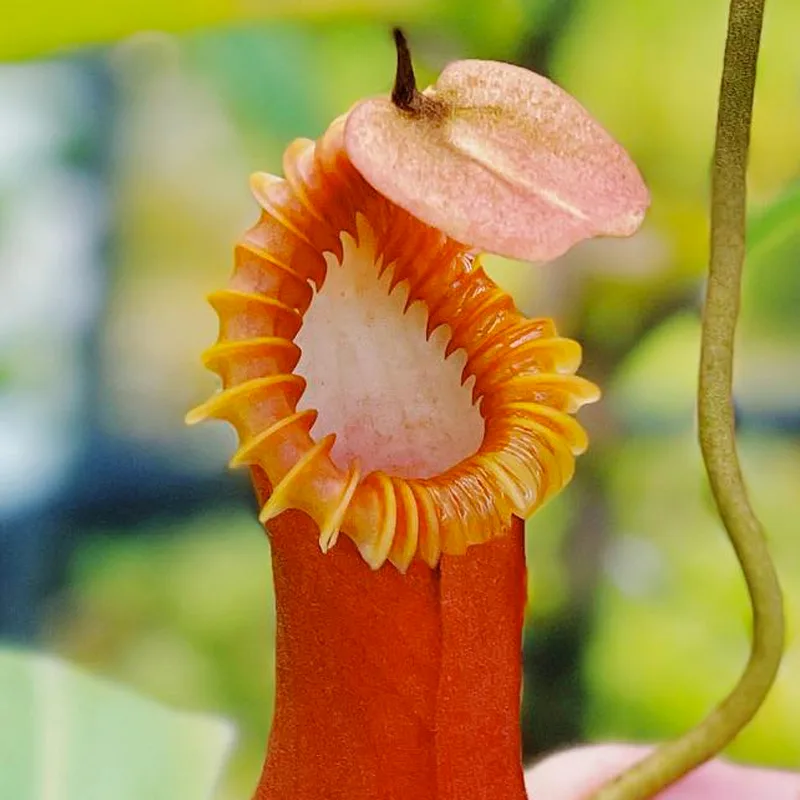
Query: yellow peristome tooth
[565,353]
[558,443]
[556,460]
[576,390]
[493,369]
[265,255]
[280,499]
[292,157]
[583,391]
[429,543]
[261,181]
[233,347]
[375,550]
[329,528]
[505,474]
[568,355]
[247,453]
[402,556]
[261,184]
[244,315]
[562,424]
[227,296]
[228,397]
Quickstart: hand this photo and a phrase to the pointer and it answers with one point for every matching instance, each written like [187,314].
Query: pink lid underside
[519,168]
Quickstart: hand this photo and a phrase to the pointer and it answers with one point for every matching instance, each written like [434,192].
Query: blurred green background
[126,139]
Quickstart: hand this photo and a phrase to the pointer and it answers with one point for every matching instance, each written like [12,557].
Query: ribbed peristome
[524,379]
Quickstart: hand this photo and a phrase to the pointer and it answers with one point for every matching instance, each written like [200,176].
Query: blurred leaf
[289,80]
[488,29]
[655,386]
[52,26]
[67,734]
[264,73]
[672,621]
[183,613]
[545,531]
[771,290]
[770,228]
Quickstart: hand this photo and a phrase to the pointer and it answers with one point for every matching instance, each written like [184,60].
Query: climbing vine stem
[716,424]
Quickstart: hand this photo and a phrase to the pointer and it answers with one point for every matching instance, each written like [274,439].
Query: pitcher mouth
[504,439]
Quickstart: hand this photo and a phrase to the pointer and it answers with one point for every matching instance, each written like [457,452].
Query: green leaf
[773,226]
[66,734]
[52,25]
[771,287]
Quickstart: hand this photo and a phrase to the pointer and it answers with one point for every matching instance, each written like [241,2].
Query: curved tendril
[716,424]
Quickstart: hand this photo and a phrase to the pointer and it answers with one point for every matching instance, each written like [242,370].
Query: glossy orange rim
[524,381]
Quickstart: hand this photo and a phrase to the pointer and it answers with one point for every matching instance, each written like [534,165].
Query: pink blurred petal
[575,774]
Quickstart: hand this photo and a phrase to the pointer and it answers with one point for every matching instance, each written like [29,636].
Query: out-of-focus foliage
[56,27]
[773,280]
[672,625]
[70,735]
[772,227]
[186,616]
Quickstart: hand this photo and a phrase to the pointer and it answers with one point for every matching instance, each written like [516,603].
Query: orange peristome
[522,370]
[501,159]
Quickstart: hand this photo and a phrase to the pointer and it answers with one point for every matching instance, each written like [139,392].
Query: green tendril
[716,424]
